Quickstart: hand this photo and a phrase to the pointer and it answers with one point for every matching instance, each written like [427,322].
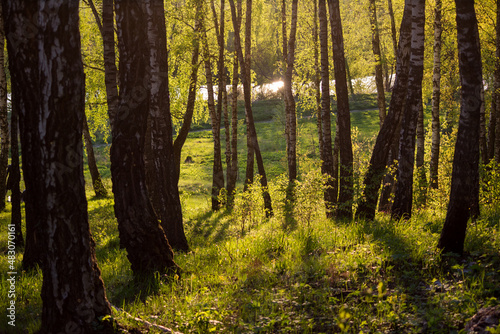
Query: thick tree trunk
[140,232]
[378,160]
[15,179]
[98,186]
[252,141]
[4,122]
[403,197]
[436,98]
[379,80]
[159,151]
[327,166]
[73,293]
[465,174]
[346,190]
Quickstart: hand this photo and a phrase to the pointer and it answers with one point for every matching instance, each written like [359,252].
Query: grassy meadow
[247,273]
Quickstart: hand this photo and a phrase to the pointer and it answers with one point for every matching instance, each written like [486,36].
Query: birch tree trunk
[465,174]
[379,80]
[379,158]
[140,232]
[436,98]
[73,292]
[346,190]
[327,166]
[403,197]
[159,151]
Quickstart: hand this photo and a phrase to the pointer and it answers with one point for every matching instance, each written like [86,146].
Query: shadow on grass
[210,227]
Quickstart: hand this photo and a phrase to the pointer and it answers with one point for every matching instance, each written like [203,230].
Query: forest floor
[247,273]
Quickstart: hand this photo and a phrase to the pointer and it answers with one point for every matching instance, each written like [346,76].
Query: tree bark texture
[327,166]
[379,158]
[140,232]
[420,157]
[403,197]
[483,144]
[436,97]
[394,36]
[98,186]
[346,189]
[4,122]
[465,174]
[379,79]
[159,155]
[48,87]
[15,179]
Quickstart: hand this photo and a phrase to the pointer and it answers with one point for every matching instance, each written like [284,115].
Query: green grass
[250,274]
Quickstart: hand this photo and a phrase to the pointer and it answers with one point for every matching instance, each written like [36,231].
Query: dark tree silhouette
[465,175]
[48,89]
[385,138]
[140,232]
[346,191]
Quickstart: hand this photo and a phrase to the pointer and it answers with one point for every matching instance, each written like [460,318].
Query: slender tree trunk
[233,169]
[15,177]
[98,186]
[346,190]
[159,151]
[389,181]
[4,122]
[73,292]
[379,158]
[291,119]
[436,98]
[419,158]
[193,79]
[327,166]
[317,79]
[140,232]
[394,36]
[110,70]
[483,145]
[492,127]
[252,141]
[465,174]
[217,172]
[216,112]
[403,197]
[379,80]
